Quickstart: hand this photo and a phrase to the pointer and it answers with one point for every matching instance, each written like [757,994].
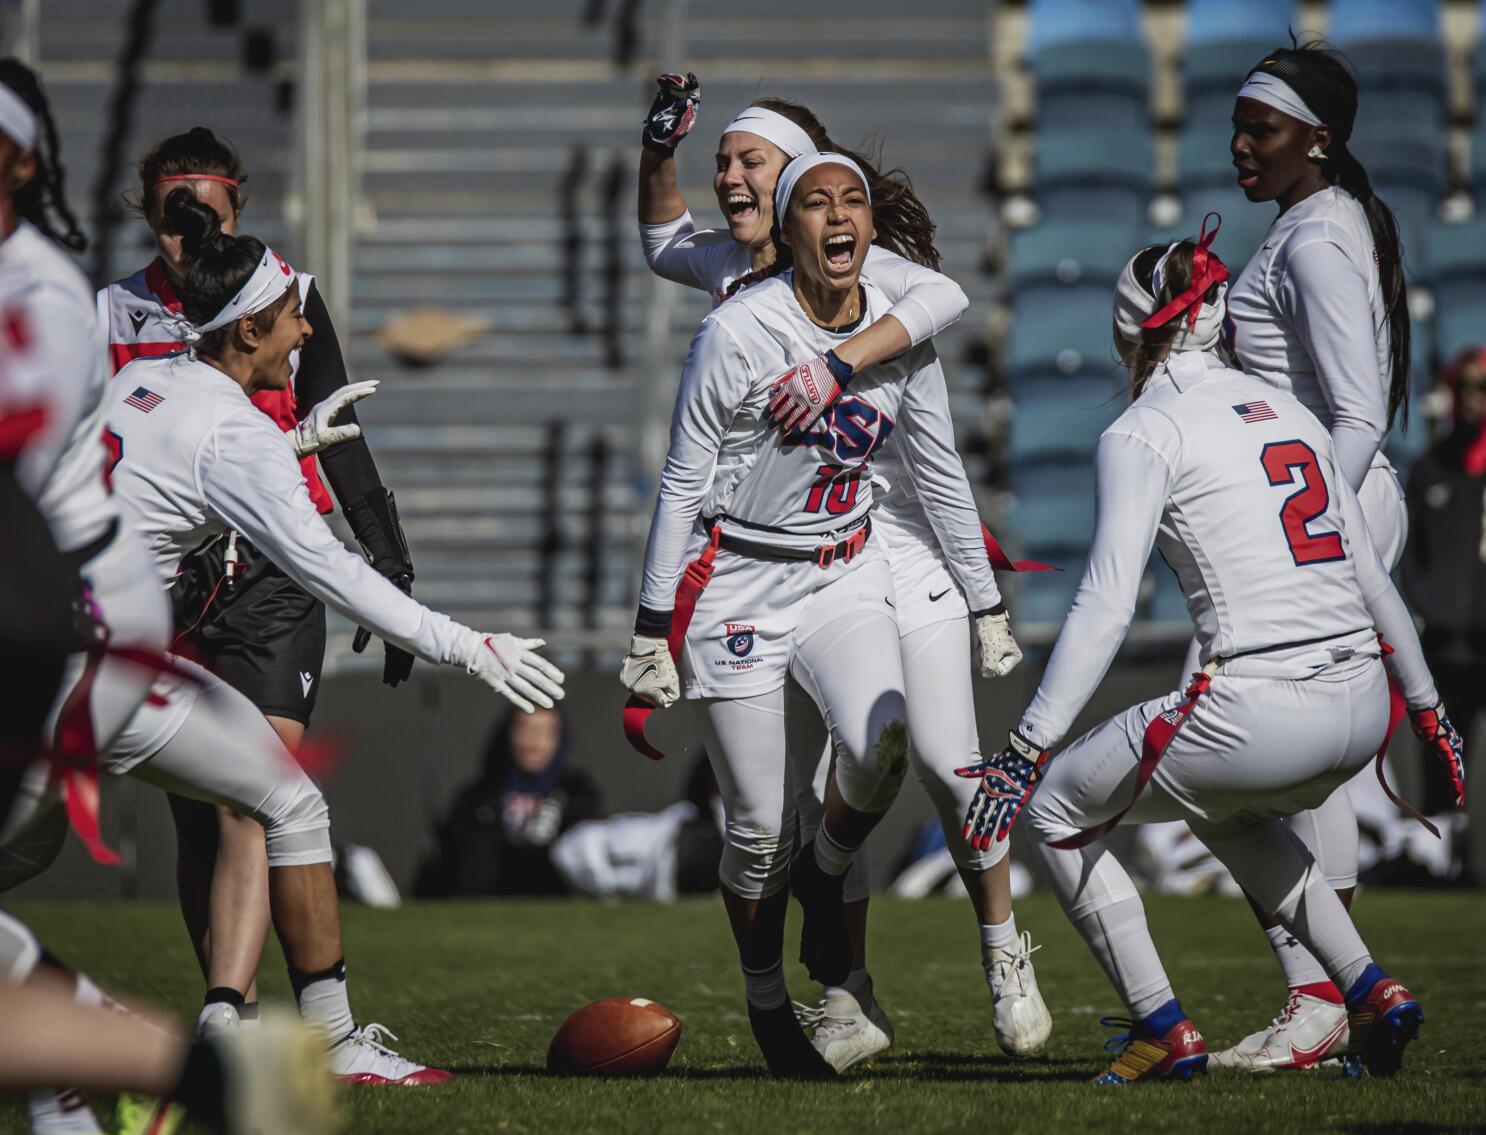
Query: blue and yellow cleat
[1180,1054]
[1382,1025]
[146,1115]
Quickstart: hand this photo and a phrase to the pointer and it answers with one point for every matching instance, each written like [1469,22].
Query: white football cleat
[1022,1021]
[63,1112]
[848,1030]
[363,1058]
[1307,1032]
[216,1018]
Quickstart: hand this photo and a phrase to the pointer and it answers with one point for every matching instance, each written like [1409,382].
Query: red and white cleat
[363,1058]
[1180,1054]
[1308,1031]
[1383,1024]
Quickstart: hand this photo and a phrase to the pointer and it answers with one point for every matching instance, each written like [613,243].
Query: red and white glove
[804,392]
[511,667]
[1432,727]
[672,114]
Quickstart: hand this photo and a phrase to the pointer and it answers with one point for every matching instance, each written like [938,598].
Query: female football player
[1241,490]
[933,615]
[1320,311]
[251,625]
[799,592]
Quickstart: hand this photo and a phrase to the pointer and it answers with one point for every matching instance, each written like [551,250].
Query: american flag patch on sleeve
[1255,412]
[143,400]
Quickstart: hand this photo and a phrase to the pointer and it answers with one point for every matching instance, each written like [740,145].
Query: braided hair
[43,199]
[902,222]
[1326,84]
[221,266]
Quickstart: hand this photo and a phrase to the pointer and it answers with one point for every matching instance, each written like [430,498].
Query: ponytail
[1154,344]
[221,266]
[43,199]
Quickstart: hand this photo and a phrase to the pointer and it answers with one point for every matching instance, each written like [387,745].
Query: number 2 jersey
[807,488]
[1237,485]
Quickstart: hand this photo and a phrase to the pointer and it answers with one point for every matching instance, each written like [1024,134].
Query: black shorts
[263,634]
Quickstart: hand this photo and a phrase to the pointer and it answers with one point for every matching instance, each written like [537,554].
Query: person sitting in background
[497,837]
[1444,568]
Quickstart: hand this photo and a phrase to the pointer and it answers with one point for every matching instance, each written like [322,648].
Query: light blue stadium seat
[1061,330]
[1062,417]
[1454,250]
[1053,503]
[1357,21]
[1223,21]
[1397,51]
[1070,252]
[1212,74]
[1052,22]
[1204,155]
[1092,172]
[1406,441]
[1244,223]
[1167,603]
[1459,314]
[1092,81]
[1478,147]
[1045,597]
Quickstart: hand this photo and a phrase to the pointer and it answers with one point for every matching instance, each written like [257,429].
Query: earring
[1316,152]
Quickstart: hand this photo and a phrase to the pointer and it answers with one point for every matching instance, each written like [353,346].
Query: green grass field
[480,988]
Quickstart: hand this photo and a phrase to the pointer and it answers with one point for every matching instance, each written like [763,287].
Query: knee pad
[870,781]
[296,823]
[755,861]
[19,950]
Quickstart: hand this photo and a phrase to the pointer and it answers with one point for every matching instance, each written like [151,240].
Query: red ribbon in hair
[1207,270]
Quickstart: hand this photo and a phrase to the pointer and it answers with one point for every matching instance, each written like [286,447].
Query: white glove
[510,667]
[999,652]
[316,433]
[649,673]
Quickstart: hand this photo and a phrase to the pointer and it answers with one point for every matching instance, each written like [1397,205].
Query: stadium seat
[1459,314]
[1053,503]
[1092,80]
[1058,329]
[1361,21]
[1244,222]
[1092,172]
[1062,417]
[1396,49]
[1224,40]
[1453,251]
[1070,252]
[1224,22]
[1167,604]
[1053,22]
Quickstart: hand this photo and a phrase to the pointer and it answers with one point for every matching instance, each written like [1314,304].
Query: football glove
[373,517]
[316,433]
[1432,727]
[1006,780]
[999,653]
[803,392]
[672,114]
[649,673]
[510,667]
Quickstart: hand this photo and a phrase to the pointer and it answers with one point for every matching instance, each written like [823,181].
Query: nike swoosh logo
[650,668]
[1305,1057]
[935,598]
[137,318]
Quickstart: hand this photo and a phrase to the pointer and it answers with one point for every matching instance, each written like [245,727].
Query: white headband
[773,127]
[269,281]
[17,119]
[1134,304]
[799,167]
[1274,91]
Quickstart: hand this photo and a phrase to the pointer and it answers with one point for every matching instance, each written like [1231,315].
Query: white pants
[843,657]
[1255,749]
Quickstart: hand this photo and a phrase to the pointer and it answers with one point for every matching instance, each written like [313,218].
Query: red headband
[194,177]
[1207,270]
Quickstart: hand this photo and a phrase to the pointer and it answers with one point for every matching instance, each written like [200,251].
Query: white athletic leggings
[846,673]
[942,736]
[1255,749]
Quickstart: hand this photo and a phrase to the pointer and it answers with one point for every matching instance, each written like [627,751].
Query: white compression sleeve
[676,251]
[926,302]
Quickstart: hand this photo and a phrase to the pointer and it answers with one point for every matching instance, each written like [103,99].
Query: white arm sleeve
[925,302]
[248,477]
[675,251]
[1134,470]
[714,383]
[1389,615]
[1326,298]
[938,477]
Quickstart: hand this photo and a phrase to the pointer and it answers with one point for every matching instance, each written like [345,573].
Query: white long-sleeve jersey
[196,458]
[54,359]
[1238,486]
[1308,315]
[725,462]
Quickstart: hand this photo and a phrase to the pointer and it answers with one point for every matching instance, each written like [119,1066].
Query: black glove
[373,518]
[672,114]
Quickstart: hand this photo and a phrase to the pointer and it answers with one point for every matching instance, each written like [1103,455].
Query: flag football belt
[823,556]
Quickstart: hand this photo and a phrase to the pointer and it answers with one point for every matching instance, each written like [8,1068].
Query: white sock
[765,989]
[830,856]
[324,1005]
[1299,964]
[996,936]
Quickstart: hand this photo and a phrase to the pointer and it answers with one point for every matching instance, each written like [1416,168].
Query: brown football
[618,1036]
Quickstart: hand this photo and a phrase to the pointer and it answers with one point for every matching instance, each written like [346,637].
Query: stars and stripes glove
[999,653]
[804,392]
[1432,727]
[1006,780]
[672,114]
[648,672]
[316,433]
[511,667]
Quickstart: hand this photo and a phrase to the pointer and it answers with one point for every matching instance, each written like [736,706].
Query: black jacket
[1444,561]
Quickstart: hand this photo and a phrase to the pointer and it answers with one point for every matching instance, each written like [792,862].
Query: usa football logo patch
[739,639]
